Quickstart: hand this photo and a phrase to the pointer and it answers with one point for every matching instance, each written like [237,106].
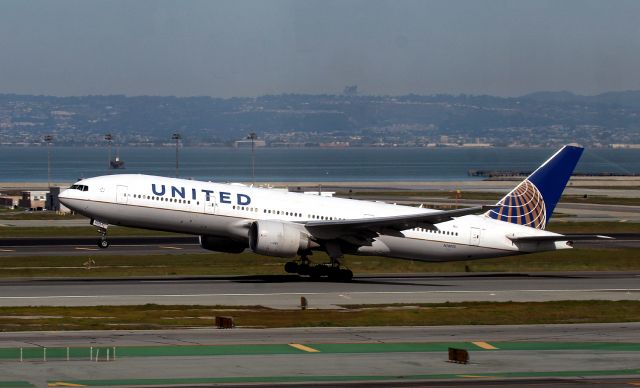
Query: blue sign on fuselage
[182,192]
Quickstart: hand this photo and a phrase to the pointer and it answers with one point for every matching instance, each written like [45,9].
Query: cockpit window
[79,187]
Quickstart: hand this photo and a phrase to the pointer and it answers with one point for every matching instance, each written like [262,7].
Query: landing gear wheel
[103,243]
[291,267]
[304,269]
[345,275]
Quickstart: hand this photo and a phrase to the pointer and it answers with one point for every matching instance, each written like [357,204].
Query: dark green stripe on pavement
[38,353]
[15,384]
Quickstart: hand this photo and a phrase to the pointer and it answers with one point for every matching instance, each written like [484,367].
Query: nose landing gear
[103,243]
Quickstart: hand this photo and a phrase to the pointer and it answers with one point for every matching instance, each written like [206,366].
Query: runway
[284,292]
[80,246]
[509,356]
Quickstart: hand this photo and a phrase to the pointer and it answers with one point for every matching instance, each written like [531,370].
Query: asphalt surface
[592,332]
[80,246]
[248,359]
[284,292]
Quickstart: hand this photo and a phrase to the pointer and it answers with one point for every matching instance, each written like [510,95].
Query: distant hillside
[542,118]
[629,98]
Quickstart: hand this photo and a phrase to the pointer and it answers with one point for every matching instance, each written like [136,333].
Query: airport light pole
[48,139]
[108,138]
[177,137]
[253,138]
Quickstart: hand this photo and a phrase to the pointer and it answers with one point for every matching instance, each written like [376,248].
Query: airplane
[235,217]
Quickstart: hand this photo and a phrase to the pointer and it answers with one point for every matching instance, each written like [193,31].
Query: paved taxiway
[81,246]
[592,332]
[284,292]
[396,354]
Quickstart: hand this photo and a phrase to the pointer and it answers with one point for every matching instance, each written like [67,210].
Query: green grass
[468,313]
[209,263]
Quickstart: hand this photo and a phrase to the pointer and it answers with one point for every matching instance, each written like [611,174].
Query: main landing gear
[332,270]
[316,271]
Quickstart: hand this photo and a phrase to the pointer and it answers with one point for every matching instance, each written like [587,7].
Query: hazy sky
[249,48]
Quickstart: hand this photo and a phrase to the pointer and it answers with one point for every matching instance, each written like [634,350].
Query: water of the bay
[29,164]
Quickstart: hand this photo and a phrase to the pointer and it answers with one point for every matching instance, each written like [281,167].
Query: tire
[103,244]
[304,269]
[291,267]
[315,272]
[346,275]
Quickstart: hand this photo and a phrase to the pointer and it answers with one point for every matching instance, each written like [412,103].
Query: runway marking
[306,293]
[484,345]
[86,249]
[304,348]
[63,384]
[170,247]
[7,250]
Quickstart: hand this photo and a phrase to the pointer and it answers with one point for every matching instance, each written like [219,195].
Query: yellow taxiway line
[484,345]
[304,348]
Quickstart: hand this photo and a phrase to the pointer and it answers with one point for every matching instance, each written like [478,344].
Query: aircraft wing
[368,228]
[559,237]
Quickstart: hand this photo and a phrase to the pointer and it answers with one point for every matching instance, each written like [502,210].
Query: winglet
[532,202]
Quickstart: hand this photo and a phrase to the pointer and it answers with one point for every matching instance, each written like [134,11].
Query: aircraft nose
[63,196]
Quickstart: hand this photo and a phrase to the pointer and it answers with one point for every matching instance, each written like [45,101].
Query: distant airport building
[33,200]
[8,201]
[625,145]
[247,143]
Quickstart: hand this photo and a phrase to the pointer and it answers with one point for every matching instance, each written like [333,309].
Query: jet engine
[222,244]
[276,238]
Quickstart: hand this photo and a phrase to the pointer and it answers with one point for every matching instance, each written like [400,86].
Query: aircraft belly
[164,219]
[429,250]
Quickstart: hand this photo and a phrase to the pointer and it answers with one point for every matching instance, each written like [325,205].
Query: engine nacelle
[222,244]
[276,238]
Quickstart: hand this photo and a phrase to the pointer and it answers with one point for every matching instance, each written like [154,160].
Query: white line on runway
[86,249]
[311,293]
[7,250]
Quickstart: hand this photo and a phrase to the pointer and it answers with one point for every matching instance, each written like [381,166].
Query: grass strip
[152,316]
[209,263]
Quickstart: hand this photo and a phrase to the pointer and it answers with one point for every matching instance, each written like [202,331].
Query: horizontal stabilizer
[559,237]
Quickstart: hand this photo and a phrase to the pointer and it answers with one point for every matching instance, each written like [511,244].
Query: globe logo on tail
[523,206]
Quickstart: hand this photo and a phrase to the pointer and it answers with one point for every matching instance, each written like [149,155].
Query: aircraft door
[475,236]
[210,205]
[121,194]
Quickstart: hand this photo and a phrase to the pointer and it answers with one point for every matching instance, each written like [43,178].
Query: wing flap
[368,228]
[558,237]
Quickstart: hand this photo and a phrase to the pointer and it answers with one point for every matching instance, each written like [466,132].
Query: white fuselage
[226,210]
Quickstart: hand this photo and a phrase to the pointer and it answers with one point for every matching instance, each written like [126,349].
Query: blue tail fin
[532,202]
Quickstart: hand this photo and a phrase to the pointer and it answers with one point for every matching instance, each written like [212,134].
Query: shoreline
[475,184]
